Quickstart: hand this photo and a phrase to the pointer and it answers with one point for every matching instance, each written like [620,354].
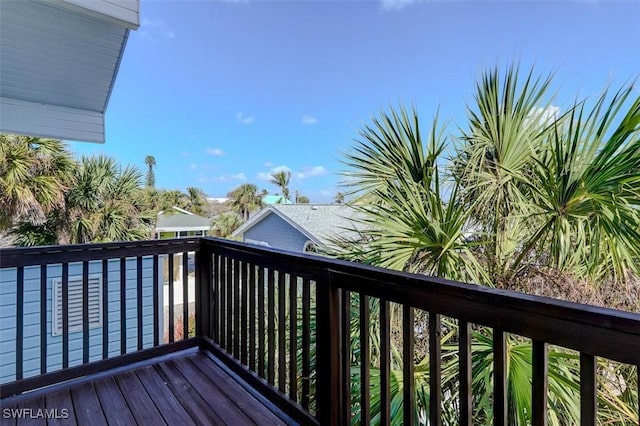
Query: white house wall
[54,347]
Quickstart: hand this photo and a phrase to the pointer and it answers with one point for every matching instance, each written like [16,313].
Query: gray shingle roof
[323,221]
[182,221]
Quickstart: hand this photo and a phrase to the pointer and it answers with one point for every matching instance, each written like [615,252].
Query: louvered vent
[75,304]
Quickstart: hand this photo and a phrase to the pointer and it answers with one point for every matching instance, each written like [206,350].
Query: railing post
[329,401]
[203,289]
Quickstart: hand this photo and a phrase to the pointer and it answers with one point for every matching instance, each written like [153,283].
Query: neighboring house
[275,199]
[300,227]
[180,224]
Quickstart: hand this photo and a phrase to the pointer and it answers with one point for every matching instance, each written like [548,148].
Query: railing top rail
[45,255]
[607,332]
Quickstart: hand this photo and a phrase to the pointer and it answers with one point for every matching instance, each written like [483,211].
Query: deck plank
[86,405]
[186,390]
[61,400]
[114,404]
[167,403]
[142,407]
[217,400]
[191,400]
[34,405]
[234,391]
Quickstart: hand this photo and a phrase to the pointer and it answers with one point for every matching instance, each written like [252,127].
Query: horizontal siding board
[274,231]
[126,11]
[49,121]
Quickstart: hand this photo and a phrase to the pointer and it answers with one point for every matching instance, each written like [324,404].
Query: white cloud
[311,171]
[242,119]
[193,166]
[544,115]
[268,164]
[185,153]
[307,119]
[216,152]
[155,29]
[239,176]
[397,4]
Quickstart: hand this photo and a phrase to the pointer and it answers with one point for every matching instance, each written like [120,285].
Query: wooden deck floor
[188,390]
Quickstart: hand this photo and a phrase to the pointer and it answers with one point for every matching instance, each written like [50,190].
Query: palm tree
[225,223]
[521,192]
[281,179]
[35,173]
[196,201]
[245,199]
[150,161]
[105,204]
[339,198]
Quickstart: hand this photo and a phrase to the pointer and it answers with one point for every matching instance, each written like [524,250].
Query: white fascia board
[124,13]
[183,228]
[50,121]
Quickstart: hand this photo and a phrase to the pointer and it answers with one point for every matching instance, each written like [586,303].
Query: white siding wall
[54,347]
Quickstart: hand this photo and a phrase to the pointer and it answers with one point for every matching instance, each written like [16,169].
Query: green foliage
[245,199]
[34,175]
[281,179]
[224,224]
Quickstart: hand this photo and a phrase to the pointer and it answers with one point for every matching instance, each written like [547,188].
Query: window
[310,247]
[75,304]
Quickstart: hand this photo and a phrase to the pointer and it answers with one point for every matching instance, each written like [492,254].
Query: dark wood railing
[284,322]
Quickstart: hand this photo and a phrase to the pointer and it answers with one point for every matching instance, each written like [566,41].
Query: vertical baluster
[231,273]
[539,383]
[306,341]
[252,318]
[261,322]
[43,319]
[123,306]
[588,400]
[237,296]
[185,295]
[499,378]
[345,359]
[364,360]
[171,301]
[156,302]
[282,348]
[435,379]
[385,363]
[139,299]
[271,347]
[65,315]
[464,349]
[223,301]
[244,291]
[293,336]
[105,308]
[408,393]
[215,301]
[19,321]
[85,312]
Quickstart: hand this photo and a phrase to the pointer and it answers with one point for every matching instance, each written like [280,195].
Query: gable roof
[182,221]
[319,222]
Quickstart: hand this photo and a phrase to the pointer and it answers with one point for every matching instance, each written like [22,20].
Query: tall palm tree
[34,175]
[281,179]
[150,161]
[245,199]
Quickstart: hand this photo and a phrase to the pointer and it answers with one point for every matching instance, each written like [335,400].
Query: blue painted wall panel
[31,353]
[276,232]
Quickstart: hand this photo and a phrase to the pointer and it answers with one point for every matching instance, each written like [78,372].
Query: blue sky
[224,92]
